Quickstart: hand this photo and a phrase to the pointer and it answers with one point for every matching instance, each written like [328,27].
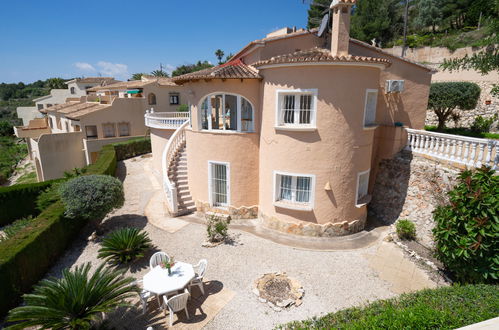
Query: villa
[71,134]
[291,130]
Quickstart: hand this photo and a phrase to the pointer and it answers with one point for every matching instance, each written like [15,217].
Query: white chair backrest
[178,302]
[158,258]
[203,263]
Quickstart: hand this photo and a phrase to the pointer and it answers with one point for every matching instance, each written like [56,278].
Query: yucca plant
[75,301]
[124,245]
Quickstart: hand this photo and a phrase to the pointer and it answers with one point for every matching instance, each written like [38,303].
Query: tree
[55,83]
[91,197]
[75,301]
[316,12]
[6,128]
[445,97]
[219,54]
[429,14]
[137,76]
[159,73]
[184,69]
[376,19]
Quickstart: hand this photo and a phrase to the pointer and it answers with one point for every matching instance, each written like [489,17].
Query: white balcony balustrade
[166,120]
[467,151]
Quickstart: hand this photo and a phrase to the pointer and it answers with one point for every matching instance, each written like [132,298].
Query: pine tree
[316,12]
[429,14]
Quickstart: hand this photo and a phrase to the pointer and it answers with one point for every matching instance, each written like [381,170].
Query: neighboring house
[292,129]
[77,130]
[76,89]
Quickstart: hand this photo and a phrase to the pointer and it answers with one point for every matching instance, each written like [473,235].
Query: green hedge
[443,308]
[132,148]
[19,201]
[28,255]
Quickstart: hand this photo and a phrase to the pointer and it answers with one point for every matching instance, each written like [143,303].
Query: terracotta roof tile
[319,55]
[231,70]
[122,85]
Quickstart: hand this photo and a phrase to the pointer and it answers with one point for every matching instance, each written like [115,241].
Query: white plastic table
[158,281]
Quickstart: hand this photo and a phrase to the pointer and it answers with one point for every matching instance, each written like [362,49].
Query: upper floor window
[294,190]
[362,188]
[72,90]
[91,131]
[124,129]
[39,106]
[108,130]
[174,98]
[151,98]
[226,112]
[370,107]
[296,108]
[58,121]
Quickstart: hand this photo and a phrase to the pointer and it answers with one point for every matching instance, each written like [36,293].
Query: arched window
[151,98]
[222,111]
[72,89]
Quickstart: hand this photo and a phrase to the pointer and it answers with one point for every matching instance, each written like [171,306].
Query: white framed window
[370,107]
[174,98]
[296,109]
[362,188]
[295,191]
[219,183]
[226,112]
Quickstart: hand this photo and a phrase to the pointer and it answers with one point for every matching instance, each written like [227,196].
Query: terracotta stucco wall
[163,97]
[159,139]
[336,152]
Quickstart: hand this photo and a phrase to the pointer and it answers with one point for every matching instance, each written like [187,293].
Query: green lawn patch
[443,308]
[29,177]
[463,131]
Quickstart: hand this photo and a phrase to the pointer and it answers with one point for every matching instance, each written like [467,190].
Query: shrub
[124,245]
[105,164]
[183,108]
[48,197]
[6,128]
[15,227]
[217,227]
[91,197]
[467,228]
[75,301]
[132,148]
[406,229]
[482,125]
[442,308]
[445,97]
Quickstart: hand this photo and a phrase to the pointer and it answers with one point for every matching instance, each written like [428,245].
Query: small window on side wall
[151,98]
[174,99]
[91,132]
[108,130]
[124,129]
[72,90]
[370,107]
[362,188]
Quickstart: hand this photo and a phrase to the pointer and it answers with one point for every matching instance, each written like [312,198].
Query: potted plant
[169,264]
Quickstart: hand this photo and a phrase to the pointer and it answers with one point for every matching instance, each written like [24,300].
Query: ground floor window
[294,188]
[108,130]
[362,187]
[219,183]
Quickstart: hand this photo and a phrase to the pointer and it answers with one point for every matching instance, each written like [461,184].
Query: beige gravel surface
[332,280]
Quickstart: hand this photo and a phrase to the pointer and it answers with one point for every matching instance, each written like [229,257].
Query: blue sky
[54,38]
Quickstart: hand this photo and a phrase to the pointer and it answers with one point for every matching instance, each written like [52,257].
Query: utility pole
[406,14]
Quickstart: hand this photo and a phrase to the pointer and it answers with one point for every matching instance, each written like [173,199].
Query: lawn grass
[463,131]
[29,177]
[442,308]
[11,152]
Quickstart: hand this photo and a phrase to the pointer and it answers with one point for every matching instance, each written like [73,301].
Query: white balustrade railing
[175,143]
[468,151]
[166,120]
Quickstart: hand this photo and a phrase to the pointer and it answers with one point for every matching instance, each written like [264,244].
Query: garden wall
[410,187]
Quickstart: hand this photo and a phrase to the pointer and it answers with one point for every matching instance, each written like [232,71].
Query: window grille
[296,108]
[294,189]
[219,184]
[370,107]
[362,186]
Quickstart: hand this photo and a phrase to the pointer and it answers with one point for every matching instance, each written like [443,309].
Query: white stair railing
[175,143]
[168,120]
[468,151]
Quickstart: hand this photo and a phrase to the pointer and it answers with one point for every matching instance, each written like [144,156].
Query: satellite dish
[324,25]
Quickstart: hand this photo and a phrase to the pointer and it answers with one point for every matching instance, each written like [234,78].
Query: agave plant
[75,301]
[124,245]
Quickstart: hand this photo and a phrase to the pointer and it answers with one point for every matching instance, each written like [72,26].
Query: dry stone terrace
[331,280]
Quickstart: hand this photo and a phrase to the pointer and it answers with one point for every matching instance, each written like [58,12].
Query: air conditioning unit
[394,86]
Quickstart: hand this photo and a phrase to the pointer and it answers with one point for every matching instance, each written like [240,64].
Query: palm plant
[75,301]
[124,245]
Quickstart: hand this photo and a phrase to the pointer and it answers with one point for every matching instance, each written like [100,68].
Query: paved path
[332,280]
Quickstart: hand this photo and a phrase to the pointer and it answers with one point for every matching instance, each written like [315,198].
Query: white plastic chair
[176,304]
[158,258]
[144,295]
[198,279]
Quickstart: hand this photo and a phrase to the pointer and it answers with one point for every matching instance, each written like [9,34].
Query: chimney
[340,38]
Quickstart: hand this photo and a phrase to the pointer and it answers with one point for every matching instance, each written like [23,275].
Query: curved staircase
[174,165]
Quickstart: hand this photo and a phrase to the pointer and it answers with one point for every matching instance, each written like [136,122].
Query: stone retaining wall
[235,213]
[410,187]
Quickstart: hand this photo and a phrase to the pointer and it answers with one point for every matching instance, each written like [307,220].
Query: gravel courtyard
[331,280]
